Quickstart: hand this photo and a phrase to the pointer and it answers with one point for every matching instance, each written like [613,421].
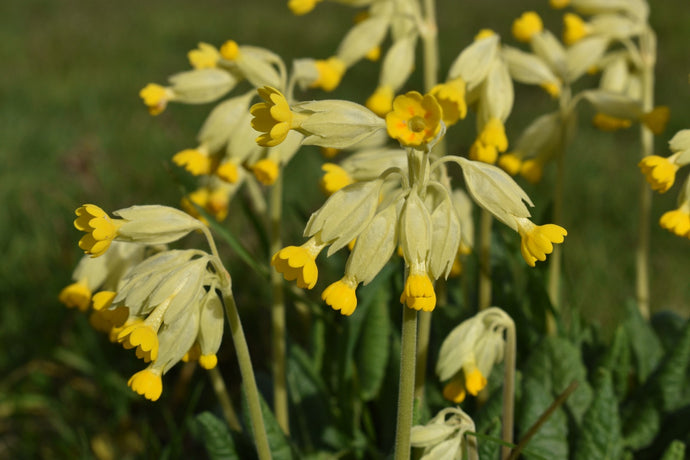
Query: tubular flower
[331,71]
[341,295]
[510,163]
[230,50]
[301,7]
[419,292]
[415,119]
[532,170]
[609,123]
[677,221]
[334,179]
[660,172]
[490,142]
[218,203]
[272,117]
[537,240]
[454,391]
[197,161]
[142,336]
[559,4]
[76,295]
[574,28]
[156,97]
[99,227]
[147,383]
[227,171]
[451,98]
[527,26]
[656,119]
[266,171]
[553,88]
[381,102]
[299,263]
[204,57]
[474,380]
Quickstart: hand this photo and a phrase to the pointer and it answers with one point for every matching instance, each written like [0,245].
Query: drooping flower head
[677,221]
[100,229]
[272,117]
[537,240]
[299,263]
[415,119]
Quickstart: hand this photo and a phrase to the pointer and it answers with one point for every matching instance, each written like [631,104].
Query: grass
[74,131]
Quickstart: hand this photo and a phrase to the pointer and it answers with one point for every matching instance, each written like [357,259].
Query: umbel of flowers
[408,207]
[161,303]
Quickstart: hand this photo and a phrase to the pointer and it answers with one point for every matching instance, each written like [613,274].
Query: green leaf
[214,434]
[567,366]
[374,346]
[551,441]
[277,442]
[488,448]
[675,451]
[642,425]
[600,432]
[618,360]
[669,381]
[647,348]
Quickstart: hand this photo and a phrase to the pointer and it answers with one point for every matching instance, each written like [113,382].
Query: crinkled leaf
[215,436]
[675,451]
[642,425]
[277,442]
[567,367]
[374,346]
[618,361]
[670,381]
[646,347]
[551,441]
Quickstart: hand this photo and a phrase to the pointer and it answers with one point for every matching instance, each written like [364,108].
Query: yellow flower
[381,102]
[455,391]
[532,170]
[510,163]
[301,7]
[451,98]
[208,362]
[484,33]
[474,380]
[227,171]
[341,295]
[334,179]
[329,152]
[490,141]
[76,295]
[537,240]
[419,292]
[373,54]
[218,203]
[331,71]
[229,50]
[197,161]
[660,172]
[299,263]
[100,229]
[147,383]
[156,97]
[198,197]
[266,171]
[142,336]
[656,119]
[526,26]
[204,57]
[553,88]
[609,123]
[272,117]
[559,4]
[677,221]
[574,28]
[415,119]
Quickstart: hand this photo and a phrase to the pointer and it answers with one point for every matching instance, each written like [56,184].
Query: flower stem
[280,400]
[485,220]
[422,353]
[406,385]
[248,380]
[224,400]
[508,389]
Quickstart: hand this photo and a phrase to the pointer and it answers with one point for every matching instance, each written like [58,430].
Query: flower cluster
[160,302]
[449,434]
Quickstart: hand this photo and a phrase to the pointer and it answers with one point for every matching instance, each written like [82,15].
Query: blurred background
[73,130]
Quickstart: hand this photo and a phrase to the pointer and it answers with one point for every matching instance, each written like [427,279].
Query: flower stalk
[406,384]
[224,400]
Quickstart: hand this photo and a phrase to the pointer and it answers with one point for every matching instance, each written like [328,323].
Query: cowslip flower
[448,435]
[334,179]
[299,263]
[526,26]
[659,171]
[510,163]
[330,71]
[301,7]
[537,240]
[340,296]
[206,56]
[574,28]
[415,119]
[272,117]
[156,97]
[610,123]
[381,101]
[451,98]
[419,293]
[100,229]
[266,171]
[76,295]
[491,140]
[197,161]
[532,169]
[677,221]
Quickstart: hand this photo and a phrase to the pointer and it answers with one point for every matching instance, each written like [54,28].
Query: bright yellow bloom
[537,240]
[76,295]
[341,295]
[103,299]
[156,97]
[198,197]
[553,88]
[334,179]
[100,229]
[532,170]
[510,163]
[484,33]
[373,54]
[660,172]
[329,152]
[454,391]
[419,292]
[272,117]
[142,336]
[229,50]
[113,317]
[526,26]
[204,57]
[197,161]
[609,123]
[451,98]
[227,171]
[147,383]
[474,380]
[574,28]
[218,203]
[301,7]
[483,153]
[381,102]
[490,142]
[299,263]
[415,119]
[677,221]
[266,171]
[656,119]
[208,362]
[559,4]
[331,71]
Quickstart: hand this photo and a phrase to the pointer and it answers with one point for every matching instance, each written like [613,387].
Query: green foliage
[215,436]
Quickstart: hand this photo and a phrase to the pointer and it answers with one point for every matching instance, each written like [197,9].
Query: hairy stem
[485,220]
[406,385]
[508,389]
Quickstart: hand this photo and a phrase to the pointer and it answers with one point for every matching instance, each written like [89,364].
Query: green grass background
[73,130]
